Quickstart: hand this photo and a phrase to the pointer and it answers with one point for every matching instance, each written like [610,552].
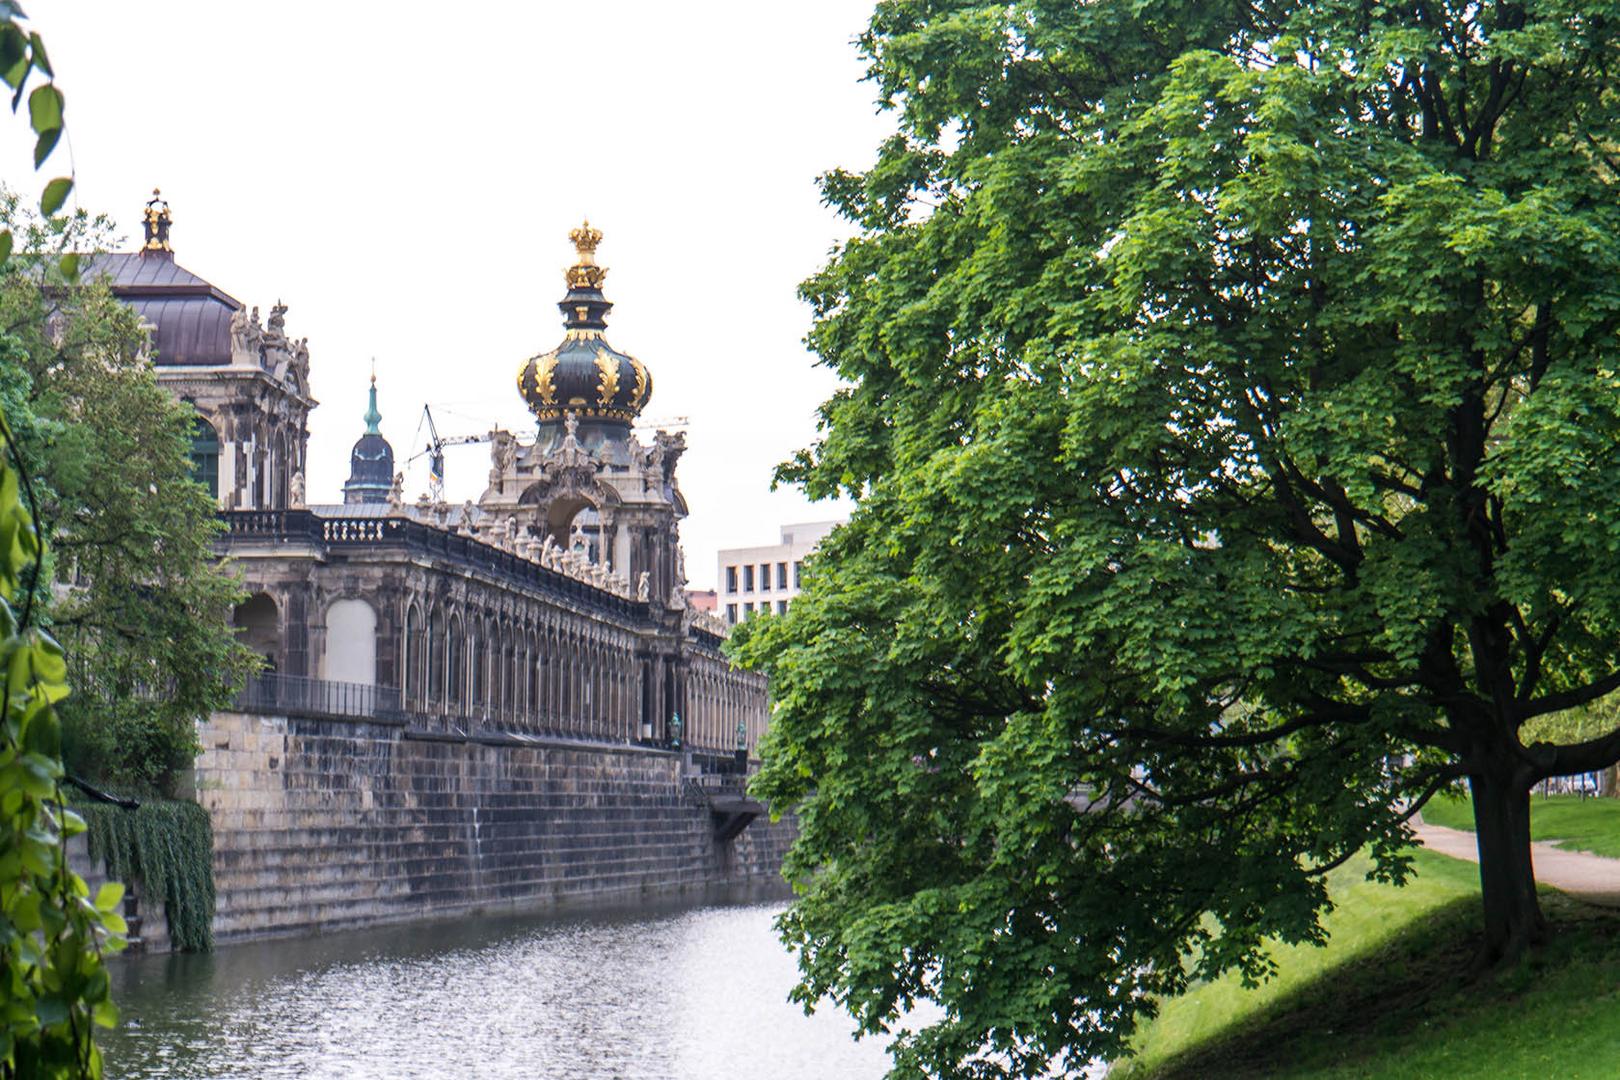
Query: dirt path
[1592,878]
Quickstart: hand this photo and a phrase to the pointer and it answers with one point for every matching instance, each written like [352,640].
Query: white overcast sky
[404,175]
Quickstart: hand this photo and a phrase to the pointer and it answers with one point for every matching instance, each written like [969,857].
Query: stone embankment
[329,824]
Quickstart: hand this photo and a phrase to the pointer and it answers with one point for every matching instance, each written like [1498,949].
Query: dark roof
[193,317]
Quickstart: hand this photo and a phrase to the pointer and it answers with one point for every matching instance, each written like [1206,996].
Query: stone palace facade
[552,607]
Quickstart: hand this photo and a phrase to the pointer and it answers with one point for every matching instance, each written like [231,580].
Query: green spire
[373,417]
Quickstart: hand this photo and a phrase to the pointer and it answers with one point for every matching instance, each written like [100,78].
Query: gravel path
[1592,878]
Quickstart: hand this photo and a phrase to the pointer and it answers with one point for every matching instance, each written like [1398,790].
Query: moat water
[675,994]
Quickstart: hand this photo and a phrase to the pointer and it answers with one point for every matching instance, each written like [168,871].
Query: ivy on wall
[168,847]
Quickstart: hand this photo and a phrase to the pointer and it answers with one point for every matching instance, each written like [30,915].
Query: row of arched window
[524,678]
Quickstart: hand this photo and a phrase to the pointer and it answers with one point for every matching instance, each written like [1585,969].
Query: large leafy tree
[140,602]
[1233,414]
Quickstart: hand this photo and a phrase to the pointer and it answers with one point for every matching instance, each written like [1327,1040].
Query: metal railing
[321,697]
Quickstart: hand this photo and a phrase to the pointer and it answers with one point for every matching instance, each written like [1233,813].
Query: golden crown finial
[585,274]
[585,240]
[156,223]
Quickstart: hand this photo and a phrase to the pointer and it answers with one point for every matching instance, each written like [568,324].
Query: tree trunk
[1513,920]
[1609,782]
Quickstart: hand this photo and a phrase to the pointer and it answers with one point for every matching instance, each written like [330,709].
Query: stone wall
[323,824]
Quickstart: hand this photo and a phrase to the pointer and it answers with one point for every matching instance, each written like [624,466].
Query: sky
[404,177]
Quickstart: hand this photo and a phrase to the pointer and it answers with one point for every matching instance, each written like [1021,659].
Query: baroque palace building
[554,607]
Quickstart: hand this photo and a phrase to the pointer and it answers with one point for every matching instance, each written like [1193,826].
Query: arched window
[436,651]
[410,676]
[205,455]
[351,642]
[455,649]
[258,623]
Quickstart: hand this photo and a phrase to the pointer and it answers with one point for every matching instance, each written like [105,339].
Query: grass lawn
[1388,1000]
[1589,824]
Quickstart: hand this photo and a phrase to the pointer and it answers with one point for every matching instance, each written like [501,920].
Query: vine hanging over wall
[167,847]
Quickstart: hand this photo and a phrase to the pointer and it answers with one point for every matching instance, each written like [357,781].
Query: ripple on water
[690,995]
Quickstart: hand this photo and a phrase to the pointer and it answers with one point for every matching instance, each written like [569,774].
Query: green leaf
[56,193]
[69,265]
[109,896]
[51,1010]
[36,49]
[45,109]
[45,144]
[5,245]
[14,63]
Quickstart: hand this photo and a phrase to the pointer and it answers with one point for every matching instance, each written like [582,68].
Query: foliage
[144,606]
[53,985]
[1573,822]
[1385,1001]
[1232,407]
[168,847]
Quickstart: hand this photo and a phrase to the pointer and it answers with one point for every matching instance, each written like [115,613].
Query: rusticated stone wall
[323,824]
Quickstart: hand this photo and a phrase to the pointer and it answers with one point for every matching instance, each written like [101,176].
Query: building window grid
[781,575]
[731,579]
[731,614]
[798,571]
[748,578]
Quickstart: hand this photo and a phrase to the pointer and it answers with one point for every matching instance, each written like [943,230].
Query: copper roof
[191,316]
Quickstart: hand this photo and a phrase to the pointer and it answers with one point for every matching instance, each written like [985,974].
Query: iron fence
[322,697]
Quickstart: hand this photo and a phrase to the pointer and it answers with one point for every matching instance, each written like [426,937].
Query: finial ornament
[585,274]
[157,221]
[373,418]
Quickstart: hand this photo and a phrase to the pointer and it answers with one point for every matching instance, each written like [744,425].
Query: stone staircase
[143,936]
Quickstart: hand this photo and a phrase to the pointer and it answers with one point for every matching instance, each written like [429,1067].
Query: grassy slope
[1387,999]
[1589,824]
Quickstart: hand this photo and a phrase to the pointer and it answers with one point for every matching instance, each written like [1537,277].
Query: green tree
[1233,415]
[53,986]
[141,604]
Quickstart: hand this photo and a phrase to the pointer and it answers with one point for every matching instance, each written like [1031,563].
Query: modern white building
[757,580]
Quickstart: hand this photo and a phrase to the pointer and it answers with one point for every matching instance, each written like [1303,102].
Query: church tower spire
[371,464]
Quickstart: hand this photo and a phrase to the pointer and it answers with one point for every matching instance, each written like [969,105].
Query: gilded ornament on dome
[544,388]
[640,396]
[608,388]
[585,276]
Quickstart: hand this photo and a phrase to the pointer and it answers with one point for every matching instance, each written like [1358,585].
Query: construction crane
[670,423]
[434,452]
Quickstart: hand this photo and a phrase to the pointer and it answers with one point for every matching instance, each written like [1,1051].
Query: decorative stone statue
[570,425]
[239,334]
[680,566]
[503,451]
[644,587]
[278,320]
[295,489]
[677,598]
[396,491]
[466,518]
[511,530]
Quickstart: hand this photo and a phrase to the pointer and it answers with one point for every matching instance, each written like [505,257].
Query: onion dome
[371,464]
[585,375]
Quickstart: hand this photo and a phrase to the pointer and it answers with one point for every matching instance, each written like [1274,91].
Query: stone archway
[258,623]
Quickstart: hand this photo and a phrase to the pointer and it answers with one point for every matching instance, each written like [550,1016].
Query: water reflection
[683,995]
